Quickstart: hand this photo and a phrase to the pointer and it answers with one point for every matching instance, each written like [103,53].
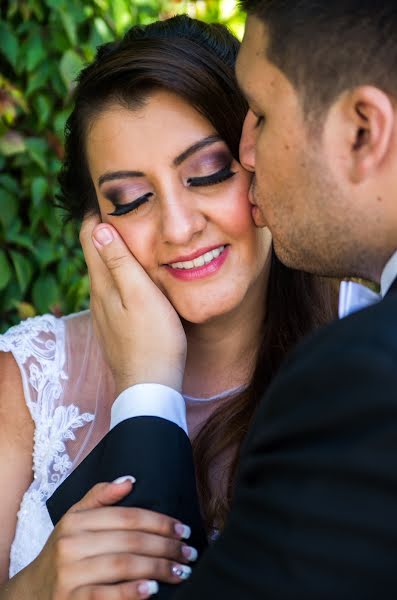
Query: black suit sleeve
[158,454]
[315,509]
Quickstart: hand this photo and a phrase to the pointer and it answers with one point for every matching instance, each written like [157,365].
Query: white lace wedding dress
[68,390]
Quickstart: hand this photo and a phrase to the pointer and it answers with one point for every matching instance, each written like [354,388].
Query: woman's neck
[221,353]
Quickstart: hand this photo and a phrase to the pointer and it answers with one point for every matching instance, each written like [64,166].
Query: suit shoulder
[373,327]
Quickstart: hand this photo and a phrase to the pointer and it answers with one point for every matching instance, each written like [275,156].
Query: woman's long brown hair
[196,61]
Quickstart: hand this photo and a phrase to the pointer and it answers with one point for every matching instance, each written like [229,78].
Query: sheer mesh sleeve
[64,379]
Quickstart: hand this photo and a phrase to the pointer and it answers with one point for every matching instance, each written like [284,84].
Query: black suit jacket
[159,456]
[315,509]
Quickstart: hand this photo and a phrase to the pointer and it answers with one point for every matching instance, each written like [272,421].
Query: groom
[315,508]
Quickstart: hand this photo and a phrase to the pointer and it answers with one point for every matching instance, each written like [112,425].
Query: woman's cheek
[239,215]
[138,242]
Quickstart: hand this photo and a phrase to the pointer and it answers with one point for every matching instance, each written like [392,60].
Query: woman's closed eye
[212,179]
[122,208]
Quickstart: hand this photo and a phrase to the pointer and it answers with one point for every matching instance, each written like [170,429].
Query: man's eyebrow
[211,139]
[112,175]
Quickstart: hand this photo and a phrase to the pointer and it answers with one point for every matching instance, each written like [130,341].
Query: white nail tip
[193,554]
[125,478]
[186,533]
[181,571]
[149,587]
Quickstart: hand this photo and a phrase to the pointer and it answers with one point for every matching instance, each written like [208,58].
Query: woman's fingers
[113,568]
[121,518]
[133,542]
[138,590]
[105,494]
[128,276]
[92,258]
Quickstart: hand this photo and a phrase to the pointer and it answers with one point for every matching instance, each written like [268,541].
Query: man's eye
[123,209]
[212,179]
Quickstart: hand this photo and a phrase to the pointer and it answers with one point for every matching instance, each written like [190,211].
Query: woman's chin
[201,314]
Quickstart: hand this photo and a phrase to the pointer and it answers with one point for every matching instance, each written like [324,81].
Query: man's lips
[256,212]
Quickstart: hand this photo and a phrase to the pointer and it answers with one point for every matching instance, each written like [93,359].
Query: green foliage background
[43,45]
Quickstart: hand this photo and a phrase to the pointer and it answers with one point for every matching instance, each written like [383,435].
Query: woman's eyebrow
[112,175]
[211,139]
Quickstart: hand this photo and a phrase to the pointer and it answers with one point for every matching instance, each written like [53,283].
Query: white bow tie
[355,296]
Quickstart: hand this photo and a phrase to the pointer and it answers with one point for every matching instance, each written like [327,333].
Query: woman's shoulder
[45,330]
[29,329]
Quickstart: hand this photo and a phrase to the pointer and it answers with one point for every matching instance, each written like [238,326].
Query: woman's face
[170,186]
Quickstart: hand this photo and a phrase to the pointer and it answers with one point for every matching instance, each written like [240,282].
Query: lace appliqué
[38,346]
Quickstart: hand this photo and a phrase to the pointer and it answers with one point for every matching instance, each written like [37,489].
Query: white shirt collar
[389,274]
[354,296]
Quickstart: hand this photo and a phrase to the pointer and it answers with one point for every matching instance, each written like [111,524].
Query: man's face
[294,188]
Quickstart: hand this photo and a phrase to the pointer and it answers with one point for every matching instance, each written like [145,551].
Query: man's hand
[140,332]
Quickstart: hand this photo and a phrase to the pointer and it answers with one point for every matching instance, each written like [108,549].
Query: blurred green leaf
[37,148]
[38,78]
[39,189]
[23,240]
[69,25]
[23,269]
[45,253]
[9,184]
[43,109]
[5,270]
[9,43]
[12,143]
[121,15]
[59,122]
[103,30]
[71,64]
[34,51]
[9,207]
[11,295]
[25,310]
[45,292]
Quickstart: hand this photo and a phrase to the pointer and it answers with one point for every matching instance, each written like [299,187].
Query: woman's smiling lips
[199,264]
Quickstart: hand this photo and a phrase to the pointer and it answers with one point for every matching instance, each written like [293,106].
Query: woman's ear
[370,117]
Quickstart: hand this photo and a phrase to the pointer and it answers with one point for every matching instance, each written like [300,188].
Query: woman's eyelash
[123,209]
[218,177]
[213,179]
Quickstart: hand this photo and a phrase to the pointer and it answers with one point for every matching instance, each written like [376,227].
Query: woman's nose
[181,220]
[247,142]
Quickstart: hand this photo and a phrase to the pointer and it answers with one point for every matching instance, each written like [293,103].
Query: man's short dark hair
[325,47]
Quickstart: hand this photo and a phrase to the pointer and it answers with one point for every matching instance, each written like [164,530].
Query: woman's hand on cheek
[139,330]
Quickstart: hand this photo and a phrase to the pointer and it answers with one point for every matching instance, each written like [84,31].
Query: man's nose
[247,142]
[181,220]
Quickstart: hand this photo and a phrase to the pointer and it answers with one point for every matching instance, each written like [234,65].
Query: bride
[152,146]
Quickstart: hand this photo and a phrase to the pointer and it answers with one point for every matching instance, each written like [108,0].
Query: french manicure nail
[148,588]
[190,553]
[181,571]
[183,531]
[125,478]
[103,236]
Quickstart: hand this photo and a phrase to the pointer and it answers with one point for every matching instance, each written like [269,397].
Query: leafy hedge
[43,44]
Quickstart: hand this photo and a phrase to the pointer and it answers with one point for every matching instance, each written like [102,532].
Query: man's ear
[358,132]
[370,120]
